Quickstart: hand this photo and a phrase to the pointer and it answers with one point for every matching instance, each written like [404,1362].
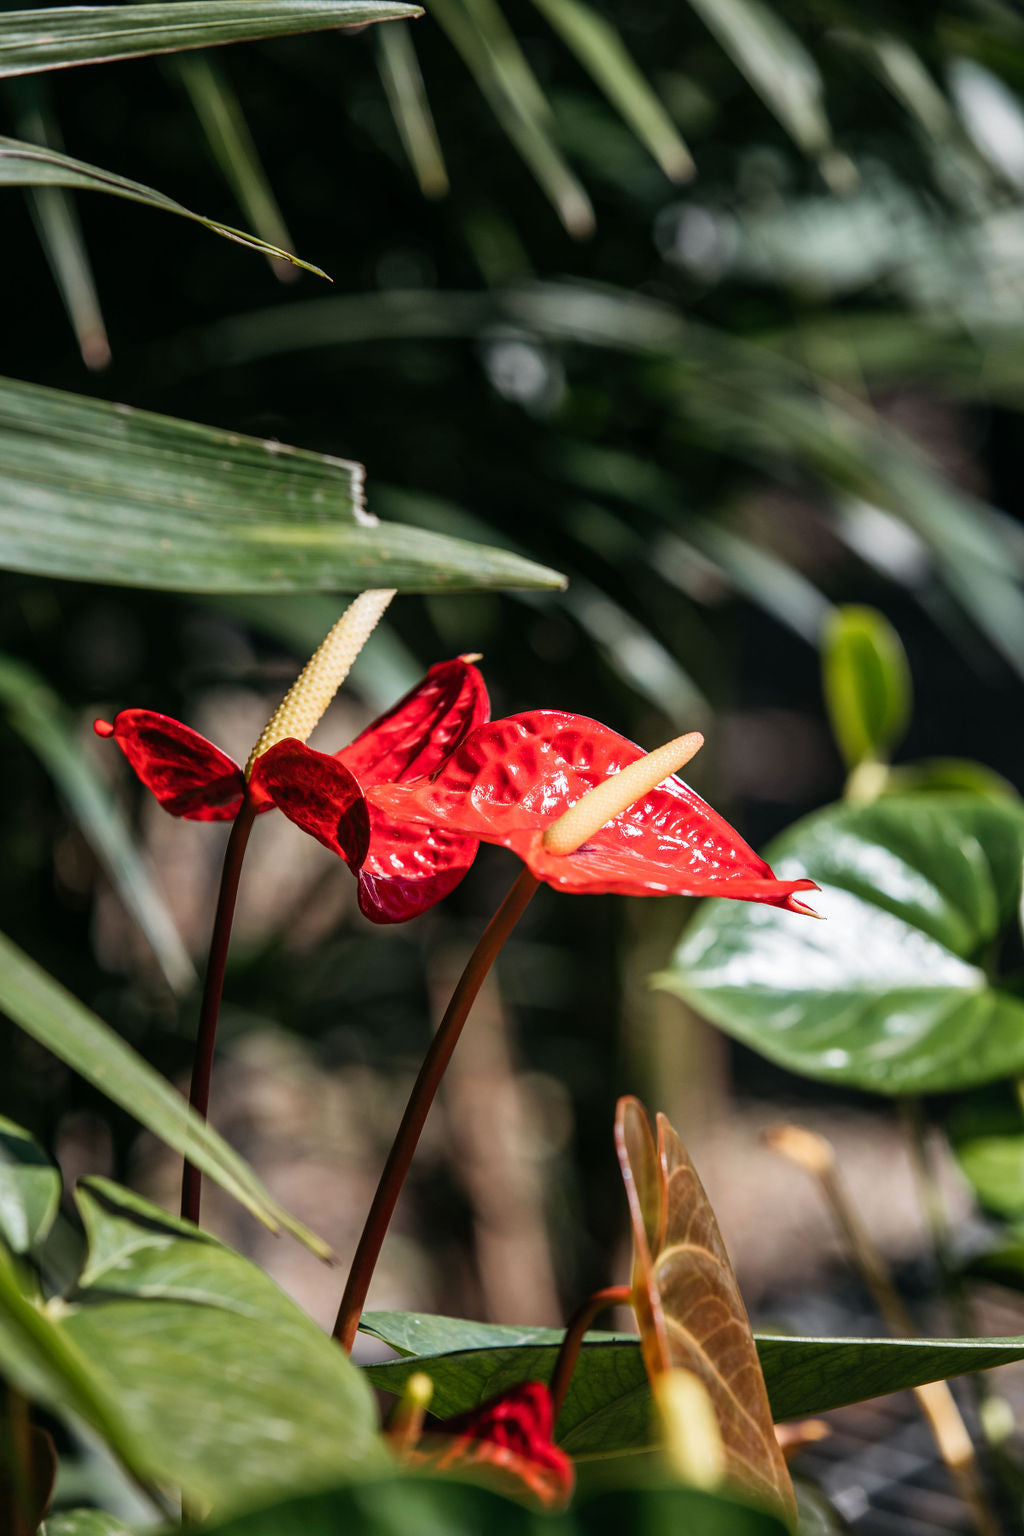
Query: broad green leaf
[867,684]
[58,1021]
[92,34]
[99,492]
[42,721]
[602,52]
[407,97]
[688,1305]
[949,775]
[233,1391]
[416,1506]
[895,992]
[986,1131]
[490,51]
[29,1189]
[57,225]
[36,165]
[775,62]
[608,1408]
[227,133]
[83,1522]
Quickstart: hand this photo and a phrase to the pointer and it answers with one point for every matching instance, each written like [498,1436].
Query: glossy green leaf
[99,492]
[83,1522]
[896,992]
[39,717]
[949,775]
[601,51]
[36,165]
[227,133]
[58,1021]
[92,34]
[29,1189]
[867,684]
[233,1391]
[608,1408]
[415,1506]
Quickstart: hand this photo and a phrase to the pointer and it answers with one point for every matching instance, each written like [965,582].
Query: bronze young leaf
[688,1304]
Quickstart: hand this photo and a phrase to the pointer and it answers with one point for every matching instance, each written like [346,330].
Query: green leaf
[33,1000]
[92,34]
[29,1189]
[895,993]
[83,1522]
[440,1507]
[949,775]
[407,98]
[227,133]
[99,492]
[986,1132]
[36,165]
[602,52]
[41,720]
[867,684]
[608,1408]
[234,1393]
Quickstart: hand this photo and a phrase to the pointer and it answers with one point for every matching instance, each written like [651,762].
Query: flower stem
[422,1097]
[213,987]
[611,1296]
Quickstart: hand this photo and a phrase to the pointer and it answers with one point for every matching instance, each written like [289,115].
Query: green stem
[611,1296]
[213,988]
[422,1097]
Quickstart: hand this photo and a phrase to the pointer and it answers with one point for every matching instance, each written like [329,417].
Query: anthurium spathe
[505,1443]
[511,780]
[402,867]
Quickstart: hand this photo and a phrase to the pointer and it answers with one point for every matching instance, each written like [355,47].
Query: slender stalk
[213,987]
[422,1097]
[611,1296]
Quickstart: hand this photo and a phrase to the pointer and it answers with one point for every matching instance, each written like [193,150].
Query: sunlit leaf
[892,993]
[867,684]
[83,1522]
[36,165]
[39,717]
[608,1407]
[91,34]
[986,1131]
[29,1189]
[601,51]
[58,1021]
[688,1304]
[99,492]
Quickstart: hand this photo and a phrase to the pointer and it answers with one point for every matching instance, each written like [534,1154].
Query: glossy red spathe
[505,1443]
[511,779]
[402,868]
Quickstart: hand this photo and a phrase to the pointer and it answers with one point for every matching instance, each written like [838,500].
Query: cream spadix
[600,804]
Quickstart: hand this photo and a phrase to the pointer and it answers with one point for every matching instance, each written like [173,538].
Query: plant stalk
[422,1097]
[213,988]
[600,1301]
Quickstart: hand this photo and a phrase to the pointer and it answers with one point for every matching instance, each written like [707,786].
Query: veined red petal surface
[510,780]
[413,738]
[505,1443]
[319,794]
[188,775]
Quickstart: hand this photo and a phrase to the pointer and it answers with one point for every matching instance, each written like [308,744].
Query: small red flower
[505,1443]
[510,780]
[402,868]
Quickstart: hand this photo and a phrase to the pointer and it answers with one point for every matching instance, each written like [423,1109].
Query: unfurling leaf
[688,1305]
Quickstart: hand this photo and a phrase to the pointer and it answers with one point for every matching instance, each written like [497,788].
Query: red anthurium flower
[505,1443]
[509,781]
[402,868]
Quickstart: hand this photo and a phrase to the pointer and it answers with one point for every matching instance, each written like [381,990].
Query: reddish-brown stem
[213,987]
[422,1097]
[611,1296]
